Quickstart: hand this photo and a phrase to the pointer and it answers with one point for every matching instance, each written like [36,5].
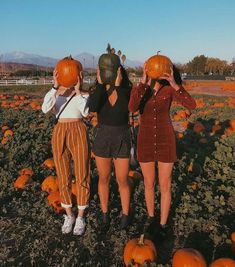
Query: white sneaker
[79,227]
[68,224]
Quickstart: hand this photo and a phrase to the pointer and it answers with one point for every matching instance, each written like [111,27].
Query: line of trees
[202,65]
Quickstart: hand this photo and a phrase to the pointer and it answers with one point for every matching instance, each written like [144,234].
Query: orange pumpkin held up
[188,257]
[157,65]
[139,251]
[68,70]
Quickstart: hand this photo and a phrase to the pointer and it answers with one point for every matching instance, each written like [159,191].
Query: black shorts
[111,141]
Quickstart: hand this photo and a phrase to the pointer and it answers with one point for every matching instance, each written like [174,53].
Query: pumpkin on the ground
[223,262]
[232,124]
[22,181]
[50,184]
[49,163]
[233,241]
[8,133]
[139,251]
[26,171]
[68,71]
[188,257]
[54,200]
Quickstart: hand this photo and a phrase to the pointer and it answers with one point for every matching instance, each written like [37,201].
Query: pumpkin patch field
[202,216]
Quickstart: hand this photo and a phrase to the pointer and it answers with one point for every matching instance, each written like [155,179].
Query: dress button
[155,127]
[155,118]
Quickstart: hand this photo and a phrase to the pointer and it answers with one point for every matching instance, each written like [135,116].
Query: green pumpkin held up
[108,65]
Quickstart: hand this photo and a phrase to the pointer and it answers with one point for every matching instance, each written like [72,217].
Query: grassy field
[203,196]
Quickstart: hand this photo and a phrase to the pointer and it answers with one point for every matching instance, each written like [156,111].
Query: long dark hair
[126,83]
[149,92]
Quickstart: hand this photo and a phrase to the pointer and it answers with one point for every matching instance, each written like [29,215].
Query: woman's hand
[144,79]
[77,87]
[119,77]
[98,75]
[170,78]
[55,78]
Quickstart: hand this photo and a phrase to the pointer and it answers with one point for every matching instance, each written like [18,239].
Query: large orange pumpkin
[22,181]
[188,257]
[68,70]
[233,241]
[49,163]
[54,200]
[139,251]
[223,262]
[232,124]
[50,184]
[157,65]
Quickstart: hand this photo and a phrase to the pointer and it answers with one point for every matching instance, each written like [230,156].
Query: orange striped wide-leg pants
[69,140]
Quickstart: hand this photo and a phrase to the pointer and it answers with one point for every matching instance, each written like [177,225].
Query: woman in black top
[111,140]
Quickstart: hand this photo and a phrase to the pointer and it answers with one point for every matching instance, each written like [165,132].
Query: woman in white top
[69,141]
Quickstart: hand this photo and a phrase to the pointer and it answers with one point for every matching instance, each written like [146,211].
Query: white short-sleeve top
[76,108]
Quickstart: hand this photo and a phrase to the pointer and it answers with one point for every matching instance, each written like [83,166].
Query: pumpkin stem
[141,240]
[108,49]
[69,57]
[158,52]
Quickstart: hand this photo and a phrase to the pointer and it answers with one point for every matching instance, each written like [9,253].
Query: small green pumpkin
[108,65]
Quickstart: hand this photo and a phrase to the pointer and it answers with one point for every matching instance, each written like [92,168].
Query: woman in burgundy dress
[156,138]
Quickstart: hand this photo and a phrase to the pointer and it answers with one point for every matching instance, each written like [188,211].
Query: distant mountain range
[87,60]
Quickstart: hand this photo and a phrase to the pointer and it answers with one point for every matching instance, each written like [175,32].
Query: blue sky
[181,29]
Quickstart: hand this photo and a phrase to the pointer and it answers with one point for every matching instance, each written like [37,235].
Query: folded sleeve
[83,104]
[182,97]
[49,101]
[136,95]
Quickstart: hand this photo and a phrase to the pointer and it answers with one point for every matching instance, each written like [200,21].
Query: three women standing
[156,141]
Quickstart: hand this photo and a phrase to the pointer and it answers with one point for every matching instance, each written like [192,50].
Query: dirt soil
[211,90]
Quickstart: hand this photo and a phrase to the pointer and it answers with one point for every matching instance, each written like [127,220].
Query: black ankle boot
[125,221]
[105,221]
[162,232]
[150,226]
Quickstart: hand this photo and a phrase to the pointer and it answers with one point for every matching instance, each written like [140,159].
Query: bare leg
[164,174]
[104,169]
[121,171]
[149,173]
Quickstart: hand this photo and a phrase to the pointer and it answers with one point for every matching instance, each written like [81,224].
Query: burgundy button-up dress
[156,137]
